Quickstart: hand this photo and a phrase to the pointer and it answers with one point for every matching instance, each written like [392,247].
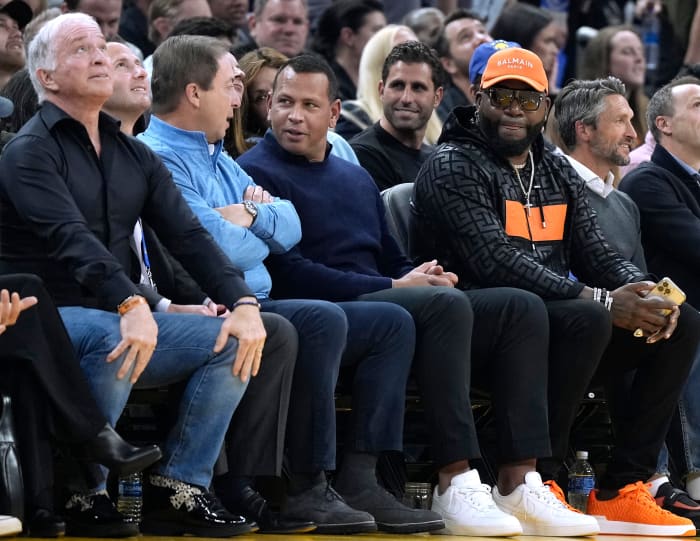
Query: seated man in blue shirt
[196,85]
[346,253]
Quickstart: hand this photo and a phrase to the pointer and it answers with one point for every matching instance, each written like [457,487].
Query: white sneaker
[9,525]
[468,509]
[541,513]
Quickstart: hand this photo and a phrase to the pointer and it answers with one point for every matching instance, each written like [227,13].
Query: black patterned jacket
[472,209]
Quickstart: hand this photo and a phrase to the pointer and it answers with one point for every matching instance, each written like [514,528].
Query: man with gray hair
[71,189]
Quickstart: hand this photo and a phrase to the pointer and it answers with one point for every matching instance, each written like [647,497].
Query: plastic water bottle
[650,38]
[581,481]
[130,497]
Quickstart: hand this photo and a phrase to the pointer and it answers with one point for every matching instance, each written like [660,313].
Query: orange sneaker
[634,512]
[555,489]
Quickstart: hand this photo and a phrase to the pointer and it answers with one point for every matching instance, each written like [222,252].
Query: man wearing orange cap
[505,211]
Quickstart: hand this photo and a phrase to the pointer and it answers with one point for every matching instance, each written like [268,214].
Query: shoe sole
[547,530]
[612,527]
[300,529]
[478,531]
[415,527]
[10,526]
[344,529]
[168,528]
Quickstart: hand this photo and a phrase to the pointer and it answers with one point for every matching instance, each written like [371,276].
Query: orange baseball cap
[515,63]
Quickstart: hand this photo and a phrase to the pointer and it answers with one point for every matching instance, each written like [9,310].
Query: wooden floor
[375,537]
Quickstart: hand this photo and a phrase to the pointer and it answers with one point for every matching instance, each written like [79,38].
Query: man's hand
[632,310]
[426,274]
[257,194]
[11,306]
[199,309]
[139,335]
[245,324]
[236,214]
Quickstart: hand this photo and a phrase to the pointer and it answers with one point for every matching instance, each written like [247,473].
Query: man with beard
[504,211]
[594,122]
[392,150]
[14,16]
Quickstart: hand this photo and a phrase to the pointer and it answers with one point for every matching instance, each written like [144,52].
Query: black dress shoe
[254,507]
[43,523]
[94,515]
[205,518]
[109,449]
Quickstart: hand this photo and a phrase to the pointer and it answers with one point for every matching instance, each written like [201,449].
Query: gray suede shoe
[323,506]
[393,516]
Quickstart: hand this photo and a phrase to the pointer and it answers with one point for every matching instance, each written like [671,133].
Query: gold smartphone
[666,289]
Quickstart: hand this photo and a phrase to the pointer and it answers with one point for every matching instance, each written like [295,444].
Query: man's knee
[281,337]
[449,303]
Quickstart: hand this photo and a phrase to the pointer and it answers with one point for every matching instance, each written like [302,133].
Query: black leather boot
[109,449]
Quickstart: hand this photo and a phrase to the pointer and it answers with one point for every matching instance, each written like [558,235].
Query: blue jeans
[686,431]
[380,341]
[184,352]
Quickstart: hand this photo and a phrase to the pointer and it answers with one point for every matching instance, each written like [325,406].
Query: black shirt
[452,97]
[68,215]
[389,161]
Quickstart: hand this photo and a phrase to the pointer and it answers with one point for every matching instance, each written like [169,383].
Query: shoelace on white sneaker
[545,495]
[477,496]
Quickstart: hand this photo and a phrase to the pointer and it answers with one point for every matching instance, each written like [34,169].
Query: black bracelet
[245,303]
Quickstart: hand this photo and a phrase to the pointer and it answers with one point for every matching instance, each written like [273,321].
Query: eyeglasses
[529,100]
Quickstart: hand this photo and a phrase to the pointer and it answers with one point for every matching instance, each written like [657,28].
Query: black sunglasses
[529,100]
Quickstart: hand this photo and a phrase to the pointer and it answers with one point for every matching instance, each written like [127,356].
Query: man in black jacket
[667,192]
[506,212]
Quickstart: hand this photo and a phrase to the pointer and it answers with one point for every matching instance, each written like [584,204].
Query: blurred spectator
[618,51]
[107,13]
[249,121]
[358,114]
[535,29]
[426,23]
[280,24]
[163,15]
[133,25]
[20,91]
[37,22]
[343,31]
[14,16]
[462,33]
[37,6]
[235,13]
[206,26]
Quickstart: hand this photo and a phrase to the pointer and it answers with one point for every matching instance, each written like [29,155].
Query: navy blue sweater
[346,249]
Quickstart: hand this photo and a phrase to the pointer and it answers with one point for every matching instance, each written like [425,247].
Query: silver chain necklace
[527,192]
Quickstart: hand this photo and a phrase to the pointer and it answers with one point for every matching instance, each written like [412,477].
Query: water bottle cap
[582,455]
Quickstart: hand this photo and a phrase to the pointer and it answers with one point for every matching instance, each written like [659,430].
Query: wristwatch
[251,208]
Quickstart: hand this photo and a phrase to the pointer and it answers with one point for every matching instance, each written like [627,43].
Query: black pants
[500,335]
[255,438]
[642,412]
[50,395]
[581,333]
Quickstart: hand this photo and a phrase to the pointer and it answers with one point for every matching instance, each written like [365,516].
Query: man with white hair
[72,187]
